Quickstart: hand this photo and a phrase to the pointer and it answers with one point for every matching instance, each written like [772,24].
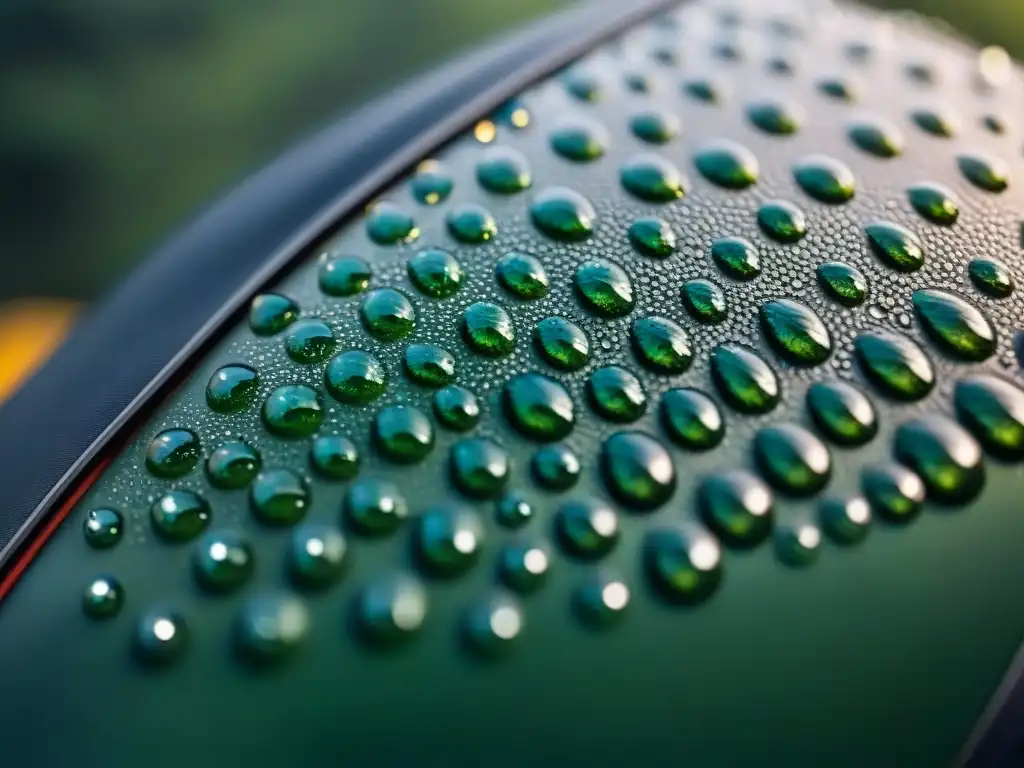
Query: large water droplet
[402,434]
[271,313]
[232,388]
[309,341]
[985,171]
[173,453]
[661,345]
[936,121]
[556,467]
[897,247]
[161,636]
[503,171]
[279,497]
[604,288]
[523,276]
[587,529]
[825,179]
[293,411]
[429,365]
[524,567]
[456,408]
[387,314]
[316,556]
[895,364]
[841,88]
[727,164]
[655,126]
[471,223]
[993,410]
[991,277]
[934,202]
[387,224]
[103,527]
[436,273]
[894,492]
[792,459]
[877,137]
[797,543]
[704,301]
[584,85]
[944,456]
[602,599]
[392,610]
[103,598]
[956,326]
[344,276]
[431,185]
[492,626]
[652,178]
[334,457]
[179,515]
[842,412]
[652,236]
[775,117]
[539,407]
[736,257]
[782,221]
[746,381]
[355,378]
[683,563]
[513,510]
[580,140]
[845,521]
[271,627]
[638,470]
[232,466]
[846,284]
[480,467]
[706,89]
[488,329]
[449,540]
[222,561]
[796,333]
[737,507]
[691,419]
[563,214]
[616,394]
[561,343]
[374,507]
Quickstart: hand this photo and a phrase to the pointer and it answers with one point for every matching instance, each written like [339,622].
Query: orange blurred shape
[30,329]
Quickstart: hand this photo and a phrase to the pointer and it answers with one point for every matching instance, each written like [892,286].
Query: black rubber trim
[998,738]
[128,353]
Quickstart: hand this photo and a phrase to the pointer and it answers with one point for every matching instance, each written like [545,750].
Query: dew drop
[456,408]
[436,273]
[746,381]
[293,411]
[792,459]
[895,364]
[403,434]
[588,529]
[279,497]
[429,365]
[561,343]
[480,467]
[344,276]
[955,326]
[179,515]
[539,407]
[374,507]
[355,378]
[727,164]
[555,467]
[448,541]
[523,276]
[563,214]
[842,412]
[488,329]
[845,284]
[683,563]
[705,301]
[944,455]
[222,561]
[616,394]
[737,507]
[782,221]
[387,314]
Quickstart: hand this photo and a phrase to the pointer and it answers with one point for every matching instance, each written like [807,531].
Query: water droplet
[846,284]
[825,179]
[652,178]
[344,276]
[691,419]
[232,466]
[355,378]
[920,72]
[944,455]
[271,627]
[232,388]
[616,394]
[387,224]
[840,88]
[937,122]
[708,90]
[652,236]
[727,164]
[776,117]
[449,540]
[655,126]
[991,277]
[309,341]
[842,412]
[985,171]
[587,529]
[503,171]
[316,555]
[897,247]
[173,453]
[581,141]
[796,333]
[539,407]
[103,528]
[993,410]
[293,411]
[956,326]
[792,459]
[279,497]
[402,433]
[934,202]
[704,301]
[514,510]
[387,314]
[895,364]
[334,457]
[604,288]
[435,273]
[492,626]
[103,598]
[561,343]
[480,467]
[638,470]
[222,561]
[524,567]
[877,137]
[736,257]
[845,521]
[179,515]
[513,113]
[797,544]
[746,381]
[661,345]
[392,610]
[456,408]
[523,276]
[431,185]
[272,313]
[782,221]
[602,599]
[638,82]
[563,214]
[683,563]
[737,507]
[894,492]
[488,329]
[161,636]
[555,467]
[429,365]
[374,507]
[471,223]
[995,123]
[584,86]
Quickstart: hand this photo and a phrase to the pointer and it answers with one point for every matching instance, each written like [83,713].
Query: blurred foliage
[121,117]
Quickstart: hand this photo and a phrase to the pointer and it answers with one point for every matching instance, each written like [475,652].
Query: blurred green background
[120,118]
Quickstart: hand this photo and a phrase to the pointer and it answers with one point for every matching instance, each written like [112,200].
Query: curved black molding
[126,353]
[998,738]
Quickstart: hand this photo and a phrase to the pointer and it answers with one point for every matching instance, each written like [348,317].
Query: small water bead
[709,90]
[745,381]
[638,470]
[668,54]
[556,467]
[480,467]
[387,314]
[858,52]
[587,529]
[355,378]
[523,276]
[279,497]
[456,408]
[993,410]
[776,117]
[652,236]
[877,137]
[232,388]
[563,214]
[602,599]
[737,507]
[222,561]
[604,288]
[429,365]
[894,492]
[492,626]
[655,126]
[513,510]
[488,329]
[842,412]
[825,179]
[956,326]
[232,466]
[449,540]
[842,89]
[387,224]
[161,636]
[513,113]
[691,419]
[431,185]
[683,563]
[736,257]
[436,273]
[934,202]
[271,627]
[705,301]
[638,82]
[727,164]
[374,507]
[334,457]
[846,284]
[103,528]
[895,246]
[316,555]
[845,521]
[271,313]
[652,178]
[392,610]
[179,515]
[103,598]
[991,277]
[944,455]
[503,171]
[309,341]
[616,394]
[524,567]
[995,123]
[173,453]
[780,65]
[795,332]
[782,221]
[661,345]
[728,51]
[921,72]
[581,141]
[471,223]
[895,364]
[293,411]
[344,276]
[584,86]
[792,459]
[561,343]
[797,544]
[985,171]
[937,122]
[539,407]
[403,434]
